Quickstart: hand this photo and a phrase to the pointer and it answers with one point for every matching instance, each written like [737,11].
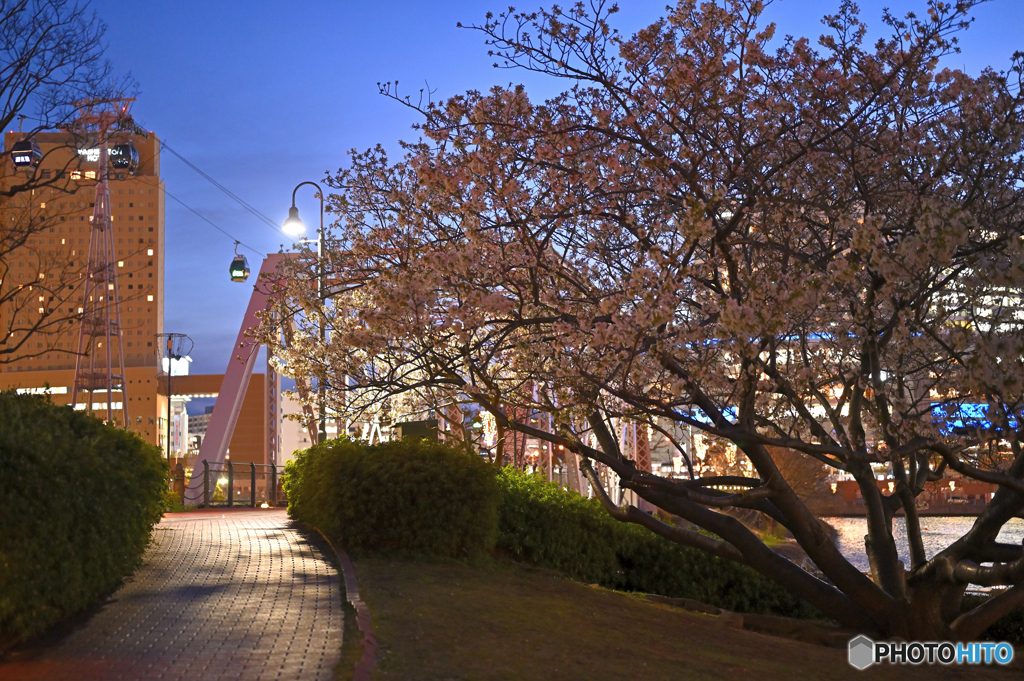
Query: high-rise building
[45,275]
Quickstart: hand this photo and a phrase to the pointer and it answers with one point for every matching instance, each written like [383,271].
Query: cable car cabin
[239,268]
[26,154]
[124,157]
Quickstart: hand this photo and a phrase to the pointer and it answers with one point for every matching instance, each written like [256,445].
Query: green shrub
[80,501]
[415,498]
[173,502]
[1008,628]
[421,498]
[547,526]
[542,524]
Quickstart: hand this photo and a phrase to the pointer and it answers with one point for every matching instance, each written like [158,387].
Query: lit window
[90,174]
[149,298]
[149,251]
[120,263]
[40,310]
[42,204]
[76,174]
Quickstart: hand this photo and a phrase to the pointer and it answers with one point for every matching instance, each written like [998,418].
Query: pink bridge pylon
[236,380]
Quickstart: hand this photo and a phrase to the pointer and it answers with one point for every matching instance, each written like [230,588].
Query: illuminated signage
[90,155]
[59,390]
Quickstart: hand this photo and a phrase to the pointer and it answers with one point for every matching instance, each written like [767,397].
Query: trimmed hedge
[412,498]
[79,503]
[1008,628]
[420,498]
[545,525]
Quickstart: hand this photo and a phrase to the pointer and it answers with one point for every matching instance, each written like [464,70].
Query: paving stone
[234,595]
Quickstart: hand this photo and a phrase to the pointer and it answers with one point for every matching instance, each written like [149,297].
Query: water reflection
[938,532]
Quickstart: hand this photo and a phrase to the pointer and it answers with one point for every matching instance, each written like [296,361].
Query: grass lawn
[455,621]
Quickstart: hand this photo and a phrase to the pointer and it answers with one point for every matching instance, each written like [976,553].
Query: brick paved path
[233,595]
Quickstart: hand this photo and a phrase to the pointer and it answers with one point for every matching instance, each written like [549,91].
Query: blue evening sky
[263,95]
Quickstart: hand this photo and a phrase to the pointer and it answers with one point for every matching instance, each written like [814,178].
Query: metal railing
[232,484]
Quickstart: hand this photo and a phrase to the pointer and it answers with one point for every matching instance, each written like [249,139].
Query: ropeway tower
[99,365]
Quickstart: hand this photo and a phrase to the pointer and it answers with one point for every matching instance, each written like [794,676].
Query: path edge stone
[368,661]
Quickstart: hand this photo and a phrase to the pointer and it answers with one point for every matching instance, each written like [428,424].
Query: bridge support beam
[236,377]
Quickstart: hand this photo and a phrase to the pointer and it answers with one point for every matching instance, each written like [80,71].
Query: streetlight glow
[293,226]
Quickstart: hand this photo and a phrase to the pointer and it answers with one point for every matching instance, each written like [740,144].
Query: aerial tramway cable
[244,204]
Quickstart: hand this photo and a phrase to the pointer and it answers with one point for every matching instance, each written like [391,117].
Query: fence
[232,484]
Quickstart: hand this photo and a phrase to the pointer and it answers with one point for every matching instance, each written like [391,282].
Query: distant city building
[293,436]
[62,250]
[197,425]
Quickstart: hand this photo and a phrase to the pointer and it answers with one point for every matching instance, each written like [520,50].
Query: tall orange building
[44,277]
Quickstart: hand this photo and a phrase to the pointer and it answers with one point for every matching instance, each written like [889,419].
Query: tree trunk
[499,447]
[923,615]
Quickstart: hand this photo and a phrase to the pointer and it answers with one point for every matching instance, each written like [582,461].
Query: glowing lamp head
[293,225]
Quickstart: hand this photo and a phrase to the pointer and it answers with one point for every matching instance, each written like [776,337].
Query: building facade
[45,275]
[249,442]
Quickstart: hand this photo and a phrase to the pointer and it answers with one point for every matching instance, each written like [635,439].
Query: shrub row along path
[221,595]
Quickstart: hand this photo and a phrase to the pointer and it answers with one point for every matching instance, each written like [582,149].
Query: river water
[938,532]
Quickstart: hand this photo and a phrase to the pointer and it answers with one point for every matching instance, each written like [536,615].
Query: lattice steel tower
[99,367]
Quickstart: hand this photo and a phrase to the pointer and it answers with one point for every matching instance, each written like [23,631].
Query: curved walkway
[221,595]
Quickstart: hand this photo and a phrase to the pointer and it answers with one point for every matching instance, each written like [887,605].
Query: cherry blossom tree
[813,248]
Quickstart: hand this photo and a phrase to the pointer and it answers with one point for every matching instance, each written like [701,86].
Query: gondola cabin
[239,268]
[124,157]
[26,154]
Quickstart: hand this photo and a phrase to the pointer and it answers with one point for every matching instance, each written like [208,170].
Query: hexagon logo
[862,652]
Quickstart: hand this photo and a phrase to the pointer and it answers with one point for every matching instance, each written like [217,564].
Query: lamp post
[176,347]
[294,226]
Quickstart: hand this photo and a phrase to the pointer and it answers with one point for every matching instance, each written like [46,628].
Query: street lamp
[176,346]
[294,227]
